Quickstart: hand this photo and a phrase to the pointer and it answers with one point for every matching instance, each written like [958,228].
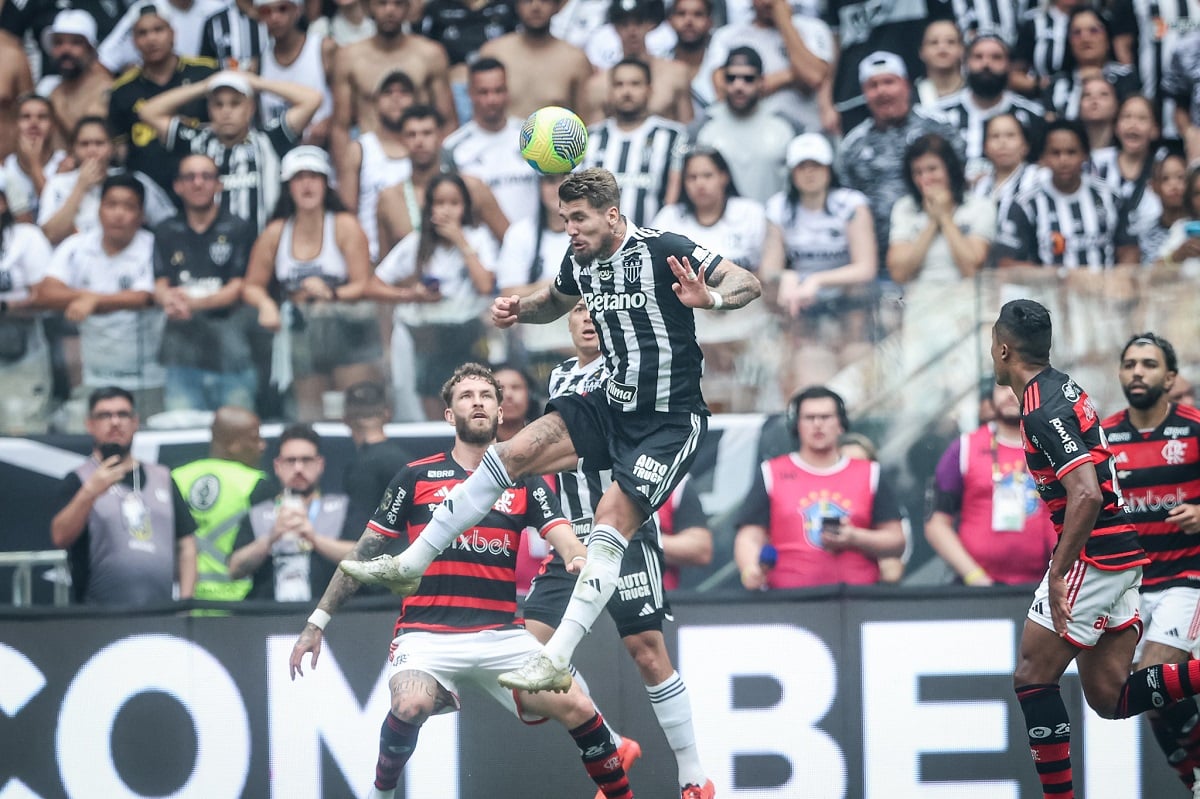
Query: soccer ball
[553,140]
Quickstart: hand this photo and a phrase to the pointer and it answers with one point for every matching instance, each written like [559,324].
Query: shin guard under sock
[600,758]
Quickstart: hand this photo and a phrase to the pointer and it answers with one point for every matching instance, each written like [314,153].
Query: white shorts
[477,657]
[1172,618]
[1100,600]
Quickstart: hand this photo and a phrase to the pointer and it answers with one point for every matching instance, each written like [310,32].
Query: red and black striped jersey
[472,585]
[1158,470]
[1062,432]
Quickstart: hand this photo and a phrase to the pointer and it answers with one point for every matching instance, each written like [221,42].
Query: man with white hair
[871,158]
[84,85]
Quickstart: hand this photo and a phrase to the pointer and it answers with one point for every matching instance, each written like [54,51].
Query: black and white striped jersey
[250,179]
[1042,41]
[1181,80]
[997,17]
[1160,26]
[641,159]
[232,38]
[1066,88]
[647,336]
[579,491]
[1078,230]
[964,114]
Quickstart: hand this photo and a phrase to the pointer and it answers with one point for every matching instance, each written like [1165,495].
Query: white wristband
[319,619]
[717,300]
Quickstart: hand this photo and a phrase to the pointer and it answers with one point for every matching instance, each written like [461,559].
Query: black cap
[642,10]
[744,57]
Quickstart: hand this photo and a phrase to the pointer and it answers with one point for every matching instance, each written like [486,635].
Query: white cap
[881,62]
[809,147]
[305,158]
[228,79]
[258,3]
[73,21]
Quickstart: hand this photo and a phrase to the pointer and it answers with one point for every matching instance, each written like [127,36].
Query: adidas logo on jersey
[646,610]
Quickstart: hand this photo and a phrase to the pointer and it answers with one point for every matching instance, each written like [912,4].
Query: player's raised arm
[542,306]
[727,287]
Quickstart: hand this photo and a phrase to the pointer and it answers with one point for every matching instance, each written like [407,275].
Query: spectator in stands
[942,54]
[938,232]
[831,257]
[36,159]
[234,37]
[16,80]
[117,51]
[1041,49]
[379,158]
[200,262]
[103,280]
[160,69]
[1070,219]
[984,97]
[400,207]
[463,28]
[1012,167]
[290,544]
[345,24]
[532,248]
[83,90]
[1182,245]
[247,156]
[871,158]
[1168,181]
[1090,40]
[359,67]
[542,69]
[828,519]
[692,21]
[1183,392]
[987,523]
[797,52]
[125,525]
[752,138]
[712,214]
[856,445]
[687,541]
[24,351]
[670,92]
[651,181]
[219,491]
[1098,112]
[316,253]
[1180,84]
[1127,168]
[442,279]
[487,146]
[71,200]
[366,410]
[519,405]
[294,56]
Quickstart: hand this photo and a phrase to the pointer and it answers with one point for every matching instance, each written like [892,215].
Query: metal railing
[24,563]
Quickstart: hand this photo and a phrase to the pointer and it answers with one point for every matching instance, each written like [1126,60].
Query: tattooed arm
[727,288]
[340,588]
[544,305]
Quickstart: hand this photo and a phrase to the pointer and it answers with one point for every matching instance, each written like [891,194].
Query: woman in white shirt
[70,202]
[938,232]
[24,353]
[307,275]
[442,280]
[832,261]
[711,213]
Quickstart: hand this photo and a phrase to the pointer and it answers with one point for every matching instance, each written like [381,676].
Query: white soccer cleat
[538,674]
[384,570]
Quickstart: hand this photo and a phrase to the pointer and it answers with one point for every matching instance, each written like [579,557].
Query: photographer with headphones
[813,517]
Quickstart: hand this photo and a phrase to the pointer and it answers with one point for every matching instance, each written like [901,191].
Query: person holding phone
[828,518]
[1182,245]
[128,530]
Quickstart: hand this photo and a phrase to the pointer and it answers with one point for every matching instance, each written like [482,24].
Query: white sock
[464,506]
[597,581]
[673,709]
